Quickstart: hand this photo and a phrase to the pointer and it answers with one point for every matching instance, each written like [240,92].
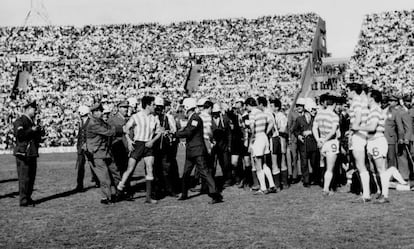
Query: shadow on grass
[9,180]
[9,195]
[61,195]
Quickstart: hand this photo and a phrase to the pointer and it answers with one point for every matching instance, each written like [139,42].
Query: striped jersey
[325,120]
[359,104]
[207,121]
[260,121]
[146,125]
[377,115]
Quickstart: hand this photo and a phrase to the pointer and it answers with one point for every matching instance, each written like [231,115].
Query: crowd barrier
[46,150]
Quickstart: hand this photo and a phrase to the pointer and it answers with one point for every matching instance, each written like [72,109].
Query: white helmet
[310,104]
[201,101]
[189,103]
[216,108]
[300,101]
[159,101]
[83,110]
[106,109]
[132,101]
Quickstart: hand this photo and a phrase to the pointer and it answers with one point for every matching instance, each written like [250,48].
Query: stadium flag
[21,83]
[15,89]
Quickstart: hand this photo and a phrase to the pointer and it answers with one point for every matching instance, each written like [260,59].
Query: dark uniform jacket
[97,137]
[118,120]
[411,115]
[27,140]
[222,133]
[299,127]
[193,133]
[394,129]
[407,124]
[81,138]
[293,115]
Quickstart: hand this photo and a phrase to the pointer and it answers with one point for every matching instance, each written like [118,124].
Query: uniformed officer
[196,152]
[307,144]
[28,136]
[394,130]
[165,169]
[97,149]
[220,127]
[119,145]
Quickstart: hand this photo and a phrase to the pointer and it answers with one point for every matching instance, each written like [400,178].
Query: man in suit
[28,136]
[220,127]
[196,152]
[404,142]
[119,145]
[81,157]
[97,147]
[292,150]
[307,145]
[394,130]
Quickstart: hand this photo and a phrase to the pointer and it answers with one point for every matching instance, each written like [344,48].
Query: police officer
[196,152]
[394,130]
[221,130]
[165,169]
[97,148]
[119,145]
[308,148]
[28,136]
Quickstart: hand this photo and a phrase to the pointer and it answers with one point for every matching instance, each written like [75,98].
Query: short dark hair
[251,101]
[376,95]
[262,101]
[146,101]
[276,102]
[355,87]
[208,104]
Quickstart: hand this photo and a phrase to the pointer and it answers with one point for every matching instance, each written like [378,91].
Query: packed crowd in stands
[233,69]
[115,62]
[385,52]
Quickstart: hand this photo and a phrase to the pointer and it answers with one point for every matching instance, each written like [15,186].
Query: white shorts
[260,146]
[330,147]
[377,147]
[358,142]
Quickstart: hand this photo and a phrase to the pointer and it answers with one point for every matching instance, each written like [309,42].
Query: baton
[409,156]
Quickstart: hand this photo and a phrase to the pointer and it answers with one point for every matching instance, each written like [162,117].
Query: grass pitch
[293,218]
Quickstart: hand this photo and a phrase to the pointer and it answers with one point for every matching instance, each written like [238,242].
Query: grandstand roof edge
[158,23]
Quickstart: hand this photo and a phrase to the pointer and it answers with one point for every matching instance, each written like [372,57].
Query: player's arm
[315,129]
[127,128]
[271,122]
[332,132]
[159,131]
[358,116]
[371,126]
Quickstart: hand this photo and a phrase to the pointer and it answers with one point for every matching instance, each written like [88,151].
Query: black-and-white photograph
[207,124]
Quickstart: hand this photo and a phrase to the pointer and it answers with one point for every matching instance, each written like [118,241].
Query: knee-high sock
[365,184]
[268,174]
[261,178]
[385,183]
[393,172]
[327,180]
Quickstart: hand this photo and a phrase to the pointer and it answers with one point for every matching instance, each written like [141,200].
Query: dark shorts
[237,147]
[276,145]
[140,151]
